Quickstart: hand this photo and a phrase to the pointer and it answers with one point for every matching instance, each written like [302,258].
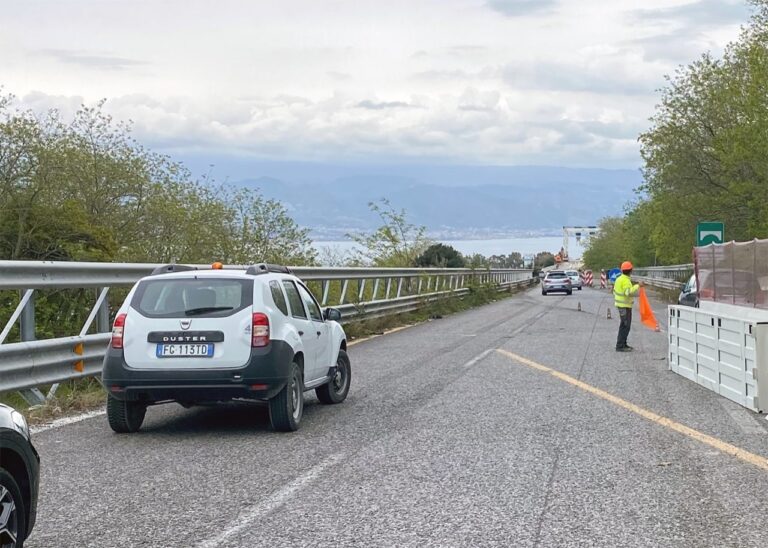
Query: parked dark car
[19,479]
[556,281]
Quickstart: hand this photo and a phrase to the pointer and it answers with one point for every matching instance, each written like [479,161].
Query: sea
[502,246]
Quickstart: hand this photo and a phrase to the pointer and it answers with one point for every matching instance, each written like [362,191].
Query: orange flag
[646,312]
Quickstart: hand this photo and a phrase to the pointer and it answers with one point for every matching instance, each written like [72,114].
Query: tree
[396,243]
[513,260]
[543,259]
[607,249]
[705,152]
[477,261]
[441,256]
[86,190]
[262,230]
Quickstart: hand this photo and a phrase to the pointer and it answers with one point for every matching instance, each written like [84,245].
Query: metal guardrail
[679,272]
[664,277]
[360,293]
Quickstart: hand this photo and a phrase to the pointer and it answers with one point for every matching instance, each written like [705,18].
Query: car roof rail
[265,268]
[171,268]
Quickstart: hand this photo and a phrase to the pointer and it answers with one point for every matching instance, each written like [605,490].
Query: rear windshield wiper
[206,309]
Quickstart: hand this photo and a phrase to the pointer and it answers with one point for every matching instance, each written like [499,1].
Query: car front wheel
[12,516]
[336,390]
[287,407]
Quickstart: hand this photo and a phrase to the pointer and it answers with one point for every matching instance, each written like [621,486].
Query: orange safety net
[646,312]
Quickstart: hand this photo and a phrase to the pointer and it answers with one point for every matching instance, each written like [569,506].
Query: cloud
[473,100]
[607,77]
[458,75]
[676,47]
[467,49]
[476,125]
[338,76]
[701,13]
[383,105]
[518,8]
[89,60]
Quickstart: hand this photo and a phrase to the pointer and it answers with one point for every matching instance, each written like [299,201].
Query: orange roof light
[217,266]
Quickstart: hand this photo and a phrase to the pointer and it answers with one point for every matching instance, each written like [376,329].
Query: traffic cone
[579,307]
[609,314]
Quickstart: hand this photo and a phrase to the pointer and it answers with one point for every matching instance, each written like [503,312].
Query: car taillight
[260,330]
[118,330]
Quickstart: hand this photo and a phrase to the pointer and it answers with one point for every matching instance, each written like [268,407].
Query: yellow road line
[393,330]
[727,448]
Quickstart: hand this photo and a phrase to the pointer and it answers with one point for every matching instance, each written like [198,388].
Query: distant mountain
[444,198]
[512,205]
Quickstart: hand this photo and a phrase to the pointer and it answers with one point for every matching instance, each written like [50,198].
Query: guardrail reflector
[79,349]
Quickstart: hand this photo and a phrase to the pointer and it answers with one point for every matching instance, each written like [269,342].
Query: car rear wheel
[125,416]
[336,390]
[287,407]
[543,292]
[13,524]
[569,292]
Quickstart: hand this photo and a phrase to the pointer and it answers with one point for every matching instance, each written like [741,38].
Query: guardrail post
[343,291]
[103,325]
[27,320]
[361,293]
[376,284]
[399,287]
[32,396]
[326,284]
[389,286]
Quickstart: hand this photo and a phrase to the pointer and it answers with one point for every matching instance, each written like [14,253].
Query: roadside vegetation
[704,158]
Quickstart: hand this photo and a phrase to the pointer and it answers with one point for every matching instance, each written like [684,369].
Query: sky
[496,82]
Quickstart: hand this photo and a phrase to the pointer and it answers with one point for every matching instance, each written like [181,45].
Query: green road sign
[710,233]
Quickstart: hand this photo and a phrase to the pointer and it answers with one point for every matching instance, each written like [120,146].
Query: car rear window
[572,273]
[556,275]
[192,297]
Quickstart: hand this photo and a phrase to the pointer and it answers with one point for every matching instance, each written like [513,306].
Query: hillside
[457,199]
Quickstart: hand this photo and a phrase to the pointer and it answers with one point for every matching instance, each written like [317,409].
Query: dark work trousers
[626,323]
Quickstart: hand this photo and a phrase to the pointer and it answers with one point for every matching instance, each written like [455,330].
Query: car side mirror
[332,314]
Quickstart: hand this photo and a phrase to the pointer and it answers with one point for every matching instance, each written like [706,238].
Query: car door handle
[301,333]
[319,333]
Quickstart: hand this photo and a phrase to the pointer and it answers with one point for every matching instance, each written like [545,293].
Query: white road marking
[271,503]
[476,359]
[64,421]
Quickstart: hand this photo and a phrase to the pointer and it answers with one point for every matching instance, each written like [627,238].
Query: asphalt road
[443,441]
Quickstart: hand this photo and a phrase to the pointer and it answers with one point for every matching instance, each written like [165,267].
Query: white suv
[211,335]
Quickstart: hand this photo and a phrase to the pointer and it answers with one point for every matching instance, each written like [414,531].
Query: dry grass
[71,398]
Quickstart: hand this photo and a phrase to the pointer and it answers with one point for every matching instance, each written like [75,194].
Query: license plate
[184,351]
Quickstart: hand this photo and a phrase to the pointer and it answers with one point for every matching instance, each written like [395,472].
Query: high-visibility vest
[624,292]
